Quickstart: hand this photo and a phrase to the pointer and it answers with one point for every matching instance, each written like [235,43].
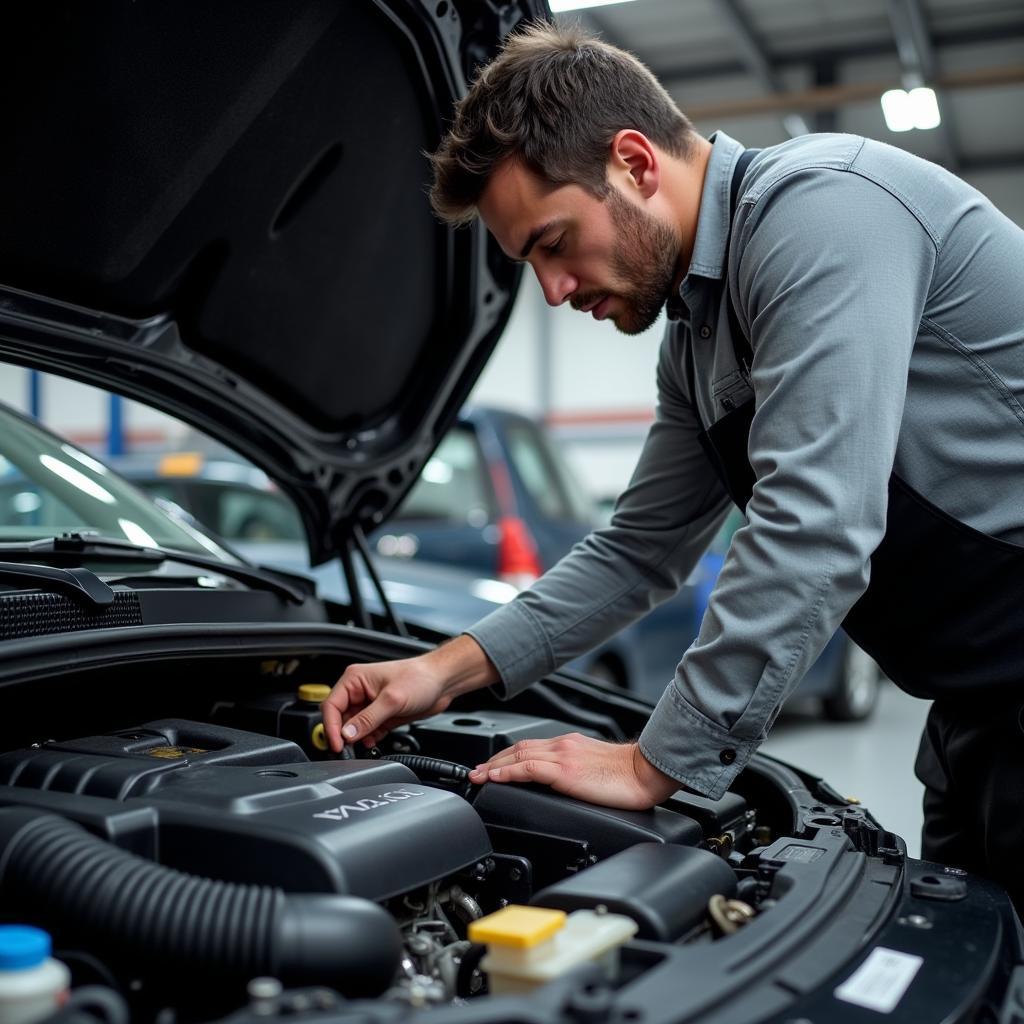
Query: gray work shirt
[884,301]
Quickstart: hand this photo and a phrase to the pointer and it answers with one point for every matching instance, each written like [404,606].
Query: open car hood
[220,210]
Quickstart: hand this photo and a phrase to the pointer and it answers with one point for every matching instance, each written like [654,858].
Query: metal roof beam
[670,75]
[832,96]
[754,57]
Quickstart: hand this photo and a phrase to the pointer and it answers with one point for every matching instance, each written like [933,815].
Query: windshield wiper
[71,548]
[80,584]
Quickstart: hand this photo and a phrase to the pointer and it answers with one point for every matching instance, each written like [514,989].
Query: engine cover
[247,808]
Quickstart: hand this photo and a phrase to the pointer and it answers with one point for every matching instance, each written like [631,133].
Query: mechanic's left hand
[610,774]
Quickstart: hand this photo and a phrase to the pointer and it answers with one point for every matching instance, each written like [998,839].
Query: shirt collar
[713,220]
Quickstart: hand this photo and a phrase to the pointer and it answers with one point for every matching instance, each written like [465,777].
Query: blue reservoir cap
[22,946]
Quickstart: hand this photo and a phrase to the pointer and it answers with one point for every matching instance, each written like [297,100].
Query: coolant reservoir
[32,984]
[530,946]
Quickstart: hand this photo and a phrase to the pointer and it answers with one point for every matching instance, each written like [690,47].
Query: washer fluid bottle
[32,984]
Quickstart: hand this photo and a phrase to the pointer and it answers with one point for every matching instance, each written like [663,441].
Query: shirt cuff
[517,646]
[684,744]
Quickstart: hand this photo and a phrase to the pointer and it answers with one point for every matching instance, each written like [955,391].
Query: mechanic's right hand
[368,701]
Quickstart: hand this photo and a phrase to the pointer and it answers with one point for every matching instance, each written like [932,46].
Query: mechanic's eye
[557,246]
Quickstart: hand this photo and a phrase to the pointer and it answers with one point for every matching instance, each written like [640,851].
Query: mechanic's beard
[645,261]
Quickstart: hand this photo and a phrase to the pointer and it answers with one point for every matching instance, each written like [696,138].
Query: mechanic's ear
[633,156]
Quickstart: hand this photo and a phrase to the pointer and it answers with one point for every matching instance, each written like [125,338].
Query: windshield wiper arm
[69,547]
[81,584]
[72,547]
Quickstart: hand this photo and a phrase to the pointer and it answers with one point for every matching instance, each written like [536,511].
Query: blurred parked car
[498,500]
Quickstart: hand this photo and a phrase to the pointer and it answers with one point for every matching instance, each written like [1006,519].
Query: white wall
[82,413]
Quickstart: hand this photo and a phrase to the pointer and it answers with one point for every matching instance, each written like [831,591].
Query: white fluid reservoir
[32,984]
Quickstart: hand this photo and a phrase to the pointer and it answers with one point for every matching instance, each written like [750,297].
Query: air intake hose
[63,877]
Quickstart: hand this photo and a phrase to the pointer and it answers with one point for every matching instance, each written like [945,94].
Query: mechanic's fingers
[511,758]
[552,749]
[371,718]
[332,709]
[350,689]
[533,770]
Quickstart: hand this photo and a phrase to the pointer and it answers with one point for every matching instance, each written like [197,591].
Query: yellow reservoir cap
[314,693]
[517,927]
[318,736]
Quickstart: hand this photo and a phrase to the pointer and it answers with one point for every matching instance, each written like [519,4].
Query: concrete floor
[872,760]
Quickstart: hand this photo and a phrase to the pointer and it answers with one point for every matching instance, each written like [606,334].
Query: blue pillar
[35,394]
[115,432]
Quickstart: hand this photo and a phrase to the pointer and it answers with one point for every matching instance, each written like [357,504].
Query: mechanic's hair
[554,97]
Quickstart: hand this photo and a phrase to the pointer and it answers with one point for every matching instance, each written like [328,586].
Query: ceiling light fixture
[905,110]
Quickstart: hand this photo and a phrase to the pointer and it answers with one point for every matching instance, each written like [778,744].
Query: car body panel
[223,256]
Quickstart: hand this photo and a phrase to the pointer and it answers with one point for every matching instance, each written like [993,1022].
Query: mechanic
[844,360]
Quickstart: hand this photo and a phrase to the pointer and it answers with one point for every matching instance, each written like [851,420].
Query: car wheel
[856,693]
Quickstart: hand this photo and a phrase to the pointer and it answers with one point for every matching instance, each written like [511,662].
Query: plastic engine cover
[245,808]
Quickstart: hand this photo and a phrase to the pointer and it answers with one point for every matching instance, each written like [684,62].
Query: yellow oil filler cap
[313,693]
[517,927]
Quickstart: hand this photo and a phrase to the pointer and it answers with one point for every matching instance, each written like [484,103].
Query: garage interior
[763,71]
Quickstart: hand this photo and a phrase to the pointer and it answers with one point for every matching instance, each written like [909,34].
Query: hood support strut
[349,544]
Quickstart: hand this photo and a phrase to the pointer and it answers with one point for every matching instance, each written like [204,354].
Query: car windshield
[49,487]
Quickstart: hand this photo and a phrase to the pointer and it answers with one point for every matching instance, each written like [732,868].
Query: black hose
[448,771]
[92,1003]
[64,878]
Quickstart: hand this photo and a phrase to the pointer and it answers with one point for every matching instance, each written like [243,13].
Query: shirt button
[705,331]
[727,756]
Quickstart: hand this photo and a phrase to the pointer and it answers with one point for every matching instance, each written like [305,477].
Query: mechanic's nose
[557,286]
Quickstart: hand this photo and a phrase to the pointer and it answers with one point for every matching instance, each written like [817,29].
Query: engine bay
[232,846]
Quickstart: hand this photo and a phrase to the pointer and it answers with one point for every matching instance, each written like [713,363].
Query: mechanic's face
[611,257]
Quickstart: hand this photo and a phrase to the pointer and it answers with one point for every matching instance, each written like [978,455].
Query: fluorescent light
[926,108]
[437,472]
[77,479]
[903,110]
[136,534]
[85,460]
[560,6]
[897,112]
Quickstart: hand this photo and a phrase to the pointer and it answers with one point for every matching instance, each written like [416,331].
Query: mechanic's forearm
[463,663]
[662,524]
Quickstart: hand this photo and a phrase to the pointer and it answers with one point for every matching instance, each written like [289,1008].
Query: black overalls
[944,618]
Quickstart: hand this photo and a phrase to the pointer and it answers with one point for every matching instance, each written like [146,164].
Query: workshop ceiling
[764,70]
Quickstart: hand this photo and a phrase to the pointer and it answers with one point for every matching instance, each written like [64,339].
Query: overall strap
[740,342]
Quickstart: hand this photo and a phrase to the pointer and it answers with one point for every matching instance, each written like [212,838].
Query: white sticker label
[879,982]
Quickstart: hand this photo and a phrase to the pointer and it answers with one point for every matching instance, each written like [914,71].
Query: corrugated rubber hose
[60,876]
